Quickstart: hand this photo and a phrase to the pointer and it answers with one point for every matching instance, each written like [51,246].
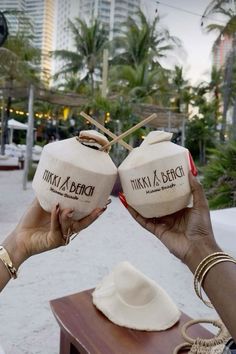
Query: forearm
[16,256]
[219,284]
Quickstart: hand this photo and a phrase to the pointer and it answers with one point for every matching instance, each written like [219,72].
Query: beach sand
[27,325]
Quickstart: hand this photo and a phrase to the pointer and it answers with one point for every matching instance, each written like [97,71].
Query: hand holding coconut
[185,230]
[39,231]
[189,236]
[76,174]
[72,184]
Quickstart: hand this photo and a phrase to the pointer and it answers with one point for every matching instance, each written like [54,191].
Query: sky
[196,59]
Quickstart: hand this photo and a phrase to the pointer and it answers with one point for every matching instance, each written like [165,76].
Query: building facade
[221,50]
[65,10]
[12,5]
[111,13]
[41,14]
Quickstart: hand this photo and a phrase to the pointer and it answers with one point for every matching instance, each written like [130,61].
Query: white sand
[27,324]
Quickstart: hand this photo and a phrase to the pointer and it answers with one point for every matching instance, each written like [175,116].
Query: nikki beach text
[158,178]
[67,185]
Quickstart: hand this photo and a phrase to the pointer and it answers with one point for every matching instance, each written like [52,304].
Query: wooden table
[85,330]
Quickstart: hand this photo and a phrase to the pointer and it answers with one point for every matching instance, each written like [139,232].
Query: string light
[107,117]
[22,113]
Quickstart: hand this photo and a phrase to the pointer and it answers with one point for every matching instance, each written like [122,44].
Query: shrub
[220,176]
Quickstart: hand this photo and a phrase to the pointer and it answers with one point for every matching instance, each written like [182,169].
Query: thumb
[55,223]
[87,220]
[199,198]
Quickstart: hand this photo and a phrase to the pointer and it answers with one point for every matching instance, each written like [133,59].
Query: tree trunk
[5,118]
[200,151]
[217,110]
[234,122]
[9,101]
[104,73]
[92,84]
[226,95]
[29,137]
[204,152]
[2,128]
[228,87]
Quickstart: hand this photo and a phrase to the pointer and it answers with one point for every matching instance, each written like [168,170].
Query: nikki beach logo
[66,186]
[158,181]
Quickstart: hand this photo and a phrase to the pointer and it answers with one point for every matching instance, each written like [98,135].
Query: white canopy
[15,124]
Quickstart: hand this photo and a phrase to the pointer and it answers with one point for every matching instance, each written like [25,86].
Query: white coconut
[75,176]
[154,176]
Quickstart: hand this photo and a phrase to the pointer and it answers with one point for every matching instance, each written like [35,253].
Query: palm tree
[140,83]
[180,90]
[73,84]
[214,89]
[223,7]
[141,41]
[90,41]
[18,64]
[220,176]
[136,67]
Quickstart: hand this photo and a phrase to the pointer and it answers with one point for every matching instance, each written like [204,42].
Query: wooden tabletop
[92,332]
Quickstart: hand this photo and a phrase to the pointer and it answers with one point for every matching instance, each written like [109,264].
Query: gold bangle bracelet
[203,268]
[204,265]
[5,258]
[206,259]
[206,272]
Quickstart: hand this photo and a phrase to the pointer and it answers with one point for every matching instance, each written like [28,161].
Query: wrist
[16,253]
[199,250]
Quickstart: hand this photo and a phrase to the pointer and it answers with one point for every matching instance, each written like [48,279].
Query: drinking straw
[129,131]
[105,130]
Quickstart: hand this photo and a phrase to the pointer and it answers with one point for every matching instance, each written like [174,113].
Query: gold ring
[67,236]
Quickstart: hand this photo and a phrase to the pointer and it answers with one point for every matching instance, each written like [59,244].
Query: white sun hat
[130,299]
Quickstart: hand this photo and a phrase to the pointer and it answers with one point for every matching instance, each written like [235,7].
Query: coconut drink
[154,176]
[76,174]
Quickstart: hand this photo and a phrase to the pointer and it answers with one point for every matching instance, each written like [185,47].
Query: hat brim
[157,315]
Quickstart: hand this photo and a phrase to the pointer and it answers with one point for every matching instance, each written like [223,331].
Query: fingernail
[192,166]
[123,199]
[57,208]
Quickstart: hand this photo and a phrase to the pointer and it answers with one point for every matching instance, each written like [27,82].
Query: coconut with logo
[154,176]
[76,174]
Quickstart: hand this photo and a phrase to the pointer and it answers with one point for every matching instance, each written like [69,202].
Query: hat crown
[133,287]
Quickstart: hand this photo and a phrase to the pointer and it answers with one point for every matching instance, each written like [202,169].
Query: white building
[221,50]
[65,10]
[41,13]
[11,5]
[112,13]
